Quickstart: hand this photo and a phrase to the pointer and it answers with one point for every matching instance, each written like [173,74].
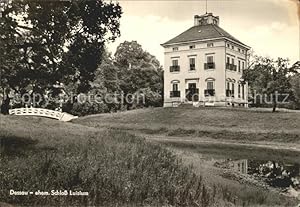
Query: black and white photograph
[150,103]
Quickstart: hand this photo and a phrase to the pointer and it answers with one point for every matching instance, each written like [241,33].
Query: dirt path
[204,140]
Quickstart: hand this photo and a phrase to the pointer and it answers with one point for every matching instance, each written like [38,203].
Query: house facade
[204,66]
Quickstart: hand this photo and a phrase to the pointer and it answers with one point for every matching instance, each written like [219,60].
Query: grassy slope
[114,167]
[185,126]
[200,119]
[52,134]
[236,132]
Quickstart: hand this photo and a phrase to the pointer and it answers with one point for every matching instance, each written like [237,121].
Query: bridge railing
[62,116]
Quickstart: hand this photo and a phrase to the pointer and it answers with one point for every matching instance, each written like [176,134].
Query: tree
[138,69]
[45,42]
[295,83]
[269,77]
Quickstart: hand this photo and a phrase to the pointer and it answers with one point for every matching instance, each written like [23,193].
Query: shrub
[86,108]
[145,97]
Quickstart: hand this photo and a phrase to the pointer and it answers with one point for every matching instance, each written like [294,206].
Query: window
[239,50]
[228,91]
[243,65]
[192,47]
[192,64]
[232,89]
[175,86]
[239,91]
[232,47]
[228,60]
[174,62]
[232,61]
[210,59]
[228,85]
[210,44]
[174,67]
[239,66]
[175,92]
[209,62]
[192,85]
[243,92]
[210,85]
[228,45]
[175,48]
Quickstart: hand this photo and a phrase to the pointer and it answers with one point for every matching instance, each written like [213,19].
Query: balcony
[174,94]
[209,92]
[209,66]
[192,67]
[231,66]
[174,68]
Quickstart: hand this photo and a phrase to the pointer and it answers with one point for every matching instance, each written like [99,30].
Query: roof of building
[202,32]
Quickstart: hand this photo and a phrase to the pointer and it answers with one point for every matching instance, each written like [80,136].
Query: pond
[285,176]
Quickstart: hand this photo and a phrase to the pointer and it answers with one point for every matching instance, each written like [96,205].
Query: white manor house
[204,66]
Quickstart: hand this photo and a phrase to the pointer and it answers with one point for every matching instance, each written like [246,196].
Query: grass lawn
[115,168]
[215,133]
[107,155]
[240,125]
[206,119]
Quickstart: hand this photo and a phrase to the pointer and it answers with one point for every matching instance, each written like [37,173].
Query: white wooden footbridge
[61,116]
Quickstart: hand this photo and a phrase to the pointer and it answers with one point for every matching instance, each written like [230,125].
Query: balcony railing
[192,67]
[174,68]
[231,66]
[209,66]
[174,94]
[209,92]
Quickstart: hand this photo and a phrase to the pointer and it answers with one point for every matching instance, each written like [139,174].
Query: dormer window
[192,47]
[210,44]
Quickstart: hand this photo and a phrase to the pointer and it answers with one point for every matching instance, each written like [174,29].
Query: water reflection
[275,174]
[240,166]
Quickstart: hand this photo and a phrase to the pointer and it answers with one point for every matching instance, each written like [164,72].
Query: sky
[270,27]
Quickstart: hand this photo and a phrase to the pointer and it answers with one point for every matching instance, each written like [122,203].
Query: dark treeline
[57,49]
